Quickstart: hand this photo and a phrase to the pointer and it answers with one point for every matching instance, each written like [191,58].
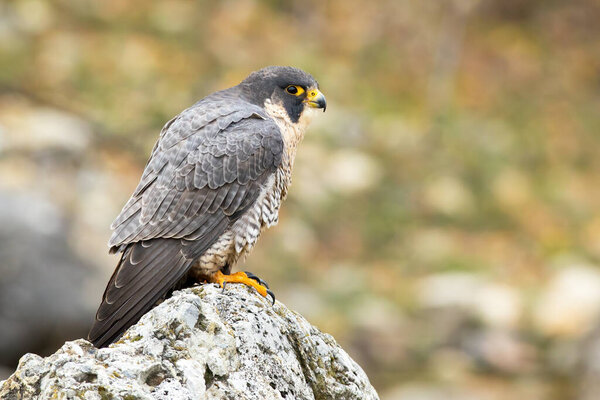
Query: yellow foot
[245,278]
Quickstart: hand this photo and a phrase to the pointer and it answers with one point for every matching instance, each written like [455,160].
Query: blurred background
[443,224]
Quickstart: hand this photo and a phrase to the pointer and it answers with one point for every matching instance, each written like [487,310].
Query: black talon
[256,278]
[263,283]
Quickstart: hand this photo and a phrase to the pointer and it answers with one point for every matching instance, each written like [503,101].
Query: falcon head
[292,90]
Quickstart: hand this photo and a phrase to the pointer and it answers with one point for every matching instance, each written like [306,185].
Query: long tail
[146,272]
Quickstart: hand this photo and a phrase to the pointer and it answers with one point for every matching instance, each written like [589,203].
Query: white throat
[292,132]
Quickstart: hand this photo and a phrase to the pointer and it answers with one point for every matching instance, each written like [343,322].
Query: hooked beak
[316,99]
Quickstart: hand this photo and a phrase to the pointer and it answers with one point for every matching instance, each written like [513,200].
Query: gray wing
[206,170]
[202,163]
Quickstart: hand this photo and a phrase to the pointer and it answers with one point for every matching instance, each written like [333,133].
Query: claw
[247,278]
[256,278]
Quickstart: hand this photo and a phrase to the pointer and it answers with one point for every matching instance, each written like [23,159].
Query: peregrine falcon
[215,180]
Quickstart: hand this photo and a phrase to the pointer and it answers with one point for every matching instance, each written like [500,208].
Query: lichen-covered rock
[202,343]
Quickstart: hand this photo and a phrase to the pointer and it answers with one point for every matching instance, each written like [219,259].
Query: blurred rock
[433,245]
[448,195]
[42,281]
[569,306]
[26,128]
[451,365]
[406,140]
[498,305]
[306,300]
[201,343]
[350,171]
[378,333]
[319,174]
[454,289]
[428,391]
[297,238]
[500,351]
[309,187]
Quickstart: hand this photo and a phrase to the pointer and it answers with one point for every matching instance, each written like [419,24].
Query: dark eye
[295,90]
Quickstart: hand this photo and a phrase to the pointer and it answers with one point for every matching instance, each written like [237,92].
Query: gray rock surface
[202,343]
[42,279]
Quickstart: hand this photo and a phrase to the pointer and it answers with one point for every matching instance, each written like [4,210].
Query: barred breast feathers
[244,233]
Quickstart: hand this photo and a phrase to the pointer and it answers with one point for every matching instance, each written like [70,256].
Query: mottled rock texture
[202,343]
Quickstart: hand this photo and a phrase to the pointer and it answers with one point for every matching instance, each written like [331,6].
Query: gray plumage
[214,180]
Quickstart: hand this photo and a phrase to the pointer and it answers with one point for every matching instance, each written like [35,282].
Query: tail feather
[146,272]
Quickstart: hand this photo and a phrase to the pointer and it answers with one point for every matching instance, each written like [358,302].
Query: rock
[501,351]
[448,195]
[43,281]
[26,128]
[570,304]
[205,343]
[449,289]
[350,172]
[496,305]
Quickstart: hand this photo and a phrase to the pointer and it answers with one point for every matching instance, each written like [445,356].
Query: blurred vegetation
[444,219]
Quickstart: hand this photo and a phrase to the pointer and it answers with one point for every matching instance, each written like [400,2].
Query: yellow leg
[238,277]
